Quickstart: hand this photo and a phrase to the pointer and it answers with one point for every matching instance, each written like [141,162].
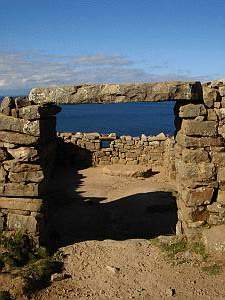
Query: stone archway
[199,142]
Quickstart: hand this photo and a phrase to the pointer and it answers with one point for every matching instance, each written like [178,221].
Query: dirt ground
[103,225]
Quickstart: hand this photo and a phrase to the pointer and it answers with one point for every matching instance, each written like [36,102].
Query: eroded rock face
[109,93]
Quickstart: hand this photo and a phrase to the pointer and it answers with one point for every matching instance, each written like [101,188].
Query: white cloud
[22,71]
[102,60]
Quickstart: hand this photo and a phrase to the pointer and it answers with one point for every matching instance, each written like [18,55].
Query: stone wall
[196,156]
[154,151]
[27,150]
[200,160]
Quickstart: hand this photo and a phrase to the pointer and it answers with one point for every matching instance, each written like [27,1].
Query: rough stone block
[192,173]
[222,91]
[221,174]
[216,207]
[22,223]
[24,154]
[192,214]
[221,130]
[221,197]
[196,155]
[21,190]
[17,138]
[198,196]
[3,154]
[2,174]
[28,176]
[199,128]
[220,113]
[35,205]
[218,158]
[35,112]
[210,96]
[22,101]
[212,116]
[192,110]
[16,166]
[107,93]
[7,104]
[198,142]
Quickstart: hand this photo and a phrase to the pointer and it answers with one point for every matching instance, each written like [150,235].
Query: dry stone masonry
[27,148]
[195,156]
[108,149]
[200,153]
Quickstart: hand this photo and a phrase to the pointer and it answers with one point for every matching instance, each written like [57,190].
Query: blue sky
[48,42]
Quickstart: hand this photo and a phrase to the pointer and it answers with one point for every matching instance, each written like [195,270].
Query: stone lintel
[115,93]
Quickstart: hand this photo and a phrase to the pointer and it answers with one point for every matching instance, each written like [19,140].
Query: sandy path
[104,233]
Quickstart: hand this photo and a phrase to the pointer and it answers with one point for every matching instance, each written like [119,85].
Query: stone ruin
[27,151]
[197,155]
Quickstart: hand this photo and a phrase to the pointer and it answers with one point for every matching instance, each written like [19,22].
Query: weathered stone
[28,176]
[22,223]
[210,95]
[220,113]
[212,116]
[221,130]
[214,238]
[6,105]
[35,205]
[198,196]
[198,128]
[15,166]
[17,138]
[197,155]
[192,110]
[221,174]
[2,174]
[193,173]
[198,142]
[24,154]
[35,112]
[215,219]
[7,145]
[216,207]
[218,158]
[108,93]
[217,104]
[192,214]
[3,154]
[36,128]
[21,190]
[14,113]
[222,91]
[22,101]
[221,197]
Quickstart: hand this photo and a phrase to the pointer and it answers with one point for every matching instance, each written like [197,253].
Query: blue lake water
[122,118]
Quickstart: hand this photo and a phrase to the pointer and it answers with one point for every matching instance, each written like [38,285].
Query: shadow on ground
[74,218]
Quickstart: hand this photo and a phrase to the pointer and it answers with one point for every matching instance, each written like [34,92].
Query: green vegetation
[178,251]
[199,248]
[18,250]
[38,274]
[213,269]
[172,247]
[34,265]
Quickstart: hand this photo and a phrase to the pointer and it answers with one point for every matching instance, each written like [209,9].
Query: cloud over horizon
[20,71]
